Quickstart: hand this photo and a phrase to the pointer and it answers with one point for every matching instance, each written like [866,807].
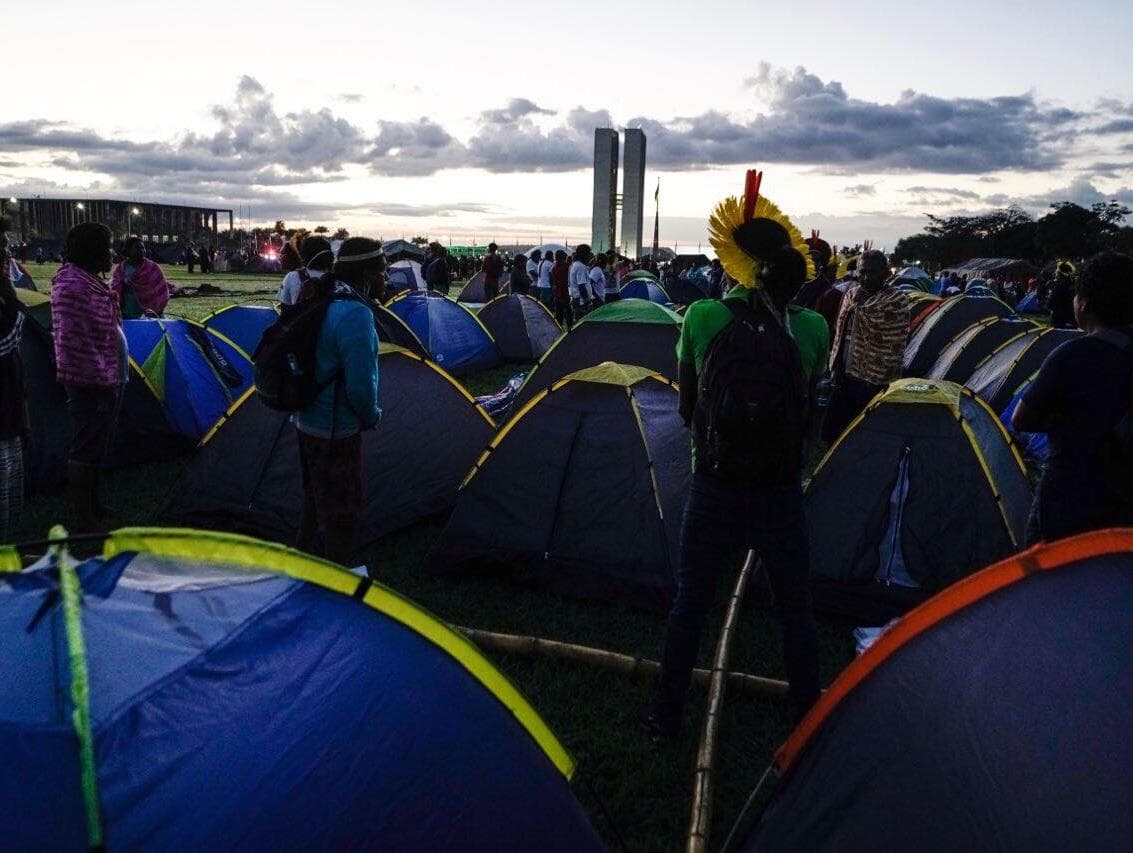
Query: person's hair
[352,271]
[536,254]
[289,257]
[787,274]
[519,259]
[316,252]
[560,256]
[1105,284]
[86,246]
[582,252]
[130,243]
[492,247]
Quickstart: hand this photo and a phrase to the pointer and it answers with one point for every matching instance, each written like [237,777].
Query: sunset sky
[436,119]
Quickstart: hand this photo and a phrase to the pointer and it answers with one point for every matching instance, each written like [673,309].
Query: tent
[922,489]
[1029,304]
[19,276]
[522,327]
[1004,373]
[944,324]
[682,291]
[183,378]
[643,288]
[995,267]
[405,275]
[629,331]
[189,690]
[452,335]
[399,250]
[959,359]
[246,477]
[244,325]
[546,247]
[473,291]
[997,715]
[581,491]
[915,276]
[49,435]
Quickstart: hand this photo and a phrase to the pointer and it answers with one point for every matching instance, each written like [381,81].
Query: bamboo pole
[700,822]
[742,682]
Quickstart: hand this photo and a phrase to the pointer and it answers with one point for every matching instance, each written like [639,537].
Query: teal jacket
[348,350]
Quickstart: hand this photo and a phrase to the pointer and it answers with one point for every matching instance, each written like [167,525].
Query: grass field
[631,790]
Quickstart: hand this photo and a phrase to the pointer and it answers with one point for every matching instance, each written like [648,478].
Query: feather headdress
[746,231]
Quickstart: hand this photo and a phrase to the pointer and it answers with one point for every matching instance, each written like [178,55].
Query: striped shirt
[871,334]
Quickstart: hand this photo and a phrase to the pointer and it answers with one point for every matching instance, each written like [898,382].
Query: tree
[340,234]
[280,227]
[321,229]
[420,241]
[1072,231]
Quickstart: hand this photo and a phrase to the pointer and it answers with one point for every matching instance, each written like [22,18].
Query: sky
[477,123]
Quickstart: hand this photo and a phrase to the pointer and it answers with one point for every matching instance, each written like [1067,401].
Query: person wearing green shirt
[708,317]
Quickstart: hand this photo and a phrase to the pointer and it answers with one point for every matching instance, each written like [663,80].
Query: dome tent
[405,275]
[247,478]
[948,320]
[453,336]
[629,331]
[644,288]
[522,327]
[48,437]
[235,693]
[1004,373]
[582,489]
[959,359]
[995,715]
[923,488]
[243,325]
[473,292]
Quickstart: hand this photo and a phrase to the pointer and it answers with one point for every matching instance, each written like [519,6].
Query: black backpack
[284,360]
[750,415]
[1115,455]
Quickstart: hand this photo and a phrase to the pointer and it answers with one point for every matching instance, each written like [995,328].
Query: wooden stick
[745,684]
[700,822]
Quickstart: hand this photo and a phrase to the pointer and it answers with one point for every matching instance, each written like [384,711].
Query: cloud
[947,192]
[351,98]
[1124,125]
[861,190]
[426,210]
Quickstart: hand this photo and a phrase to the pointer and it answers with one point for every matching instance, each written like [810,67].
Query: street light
[130,220]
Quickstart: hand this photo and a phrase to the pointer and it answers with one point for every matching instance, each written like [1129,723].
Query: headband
[365,256]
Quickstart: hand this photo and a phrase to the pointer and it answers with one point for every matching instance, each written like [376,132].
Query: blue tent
[644,288]
[244,325]
[192,690]
[1029,304]
[405,275]
[454,338]
[183,377]
[19,276]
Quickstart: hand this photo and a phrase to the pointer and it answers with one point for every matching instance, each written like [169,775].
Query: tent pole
[700,822]
[747,685]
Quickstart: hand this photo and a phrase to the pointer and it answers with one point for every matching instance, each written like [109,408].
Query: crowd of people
[753,363]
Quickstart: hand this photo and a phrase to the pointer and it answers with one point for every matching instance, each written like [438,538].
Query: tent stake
[699,824]
[745,684]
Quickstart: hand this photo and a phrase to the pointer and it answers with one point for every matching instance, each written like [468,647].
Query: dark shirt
[1062,304]
[810,292]
[1081,392]
[493,268]
[560,281]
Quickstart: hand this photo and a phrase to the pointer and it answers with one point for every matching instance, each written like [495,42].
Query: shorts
[332,475]
[94,415]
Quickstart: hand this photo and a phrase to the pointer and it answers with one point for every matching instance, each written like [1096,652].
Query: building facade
[52,218]
[633,192]
[603,221]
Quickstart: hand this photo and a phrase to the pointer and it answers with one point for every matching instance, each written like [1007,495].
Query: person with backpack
[139,283]
[1082,398]
[743,392]
[316,257]
[437,274]
[320,361]
[493,269]
[520,280]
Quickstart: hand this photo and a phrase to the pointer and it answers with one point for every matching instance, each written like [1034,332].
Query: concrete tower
[633,192]
[603,220]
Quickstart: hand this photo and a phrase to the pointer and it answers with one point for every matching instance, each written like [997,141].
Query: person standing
[92,362]
[520,279]
[493,269]
[544,287]
[746,483]
[533,269]
[1082,398]
[1062,314]
[316,257]
[190,258]
[13,412]
[139,283]
[596,277]
[559,275]
[870,335]
[438,277]
[579,278]
[330,429]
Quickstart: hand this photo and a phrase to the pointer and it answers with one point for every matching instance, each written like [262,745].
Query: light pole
[130,220]
[79,206]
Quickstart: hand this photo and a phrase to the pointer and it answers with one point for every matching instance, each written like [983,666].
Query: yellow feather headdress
[732,214]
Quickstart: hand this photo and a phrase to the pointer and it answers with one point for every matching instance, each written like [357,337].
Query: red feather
[751,192]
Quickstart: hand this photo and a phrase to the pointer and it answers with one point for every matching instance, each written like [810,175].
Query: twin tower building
[606,199]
